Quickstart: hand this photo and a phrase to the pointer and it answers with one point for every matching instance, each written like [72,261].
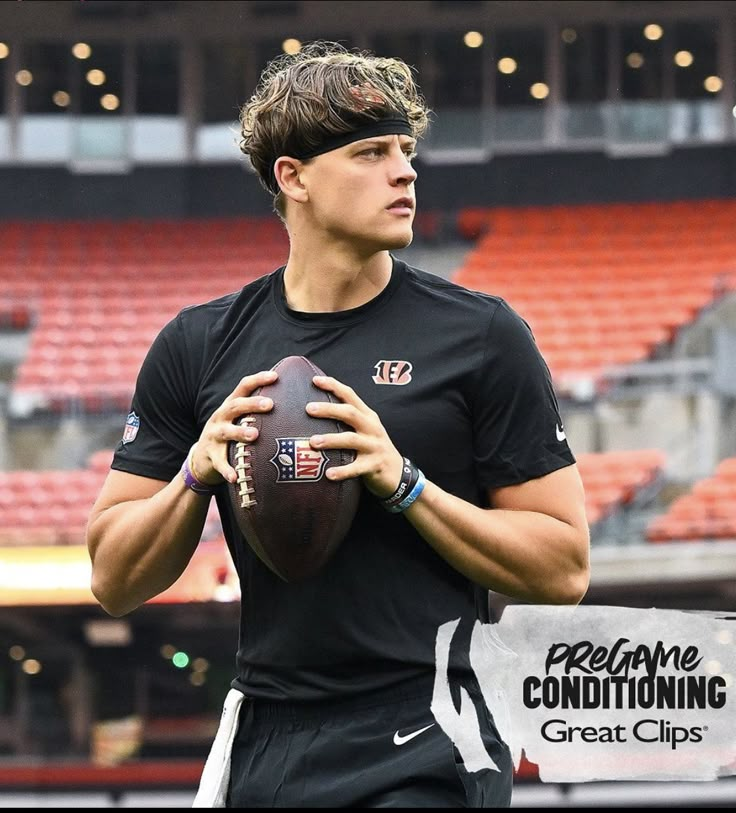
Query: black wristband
[409,477]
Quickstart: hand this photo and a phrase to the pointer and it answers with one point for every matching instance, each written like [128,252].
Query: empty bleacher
[40,508]
[52,507]
[603,285]
[600,285]
[615,481]
[96,295]
[706,511]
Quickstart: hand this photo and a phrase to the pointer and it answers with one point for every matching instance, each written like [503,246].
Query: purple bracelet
[191,482]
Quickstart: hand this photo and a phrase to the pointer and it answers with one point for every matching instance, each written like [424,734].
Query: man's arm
[143,532]
[532,545]
[140,536]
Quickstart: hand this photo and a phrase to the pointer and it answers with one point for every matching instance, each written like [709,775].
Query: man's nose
[402,169]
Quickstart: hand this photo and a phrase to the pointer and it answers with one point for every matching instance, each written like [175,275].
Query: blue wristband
[410,498]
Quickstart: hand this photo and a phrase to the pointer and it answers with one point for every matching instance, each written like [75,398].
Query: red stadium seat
[110,287]
[665,261]
[707,511]
[613,479]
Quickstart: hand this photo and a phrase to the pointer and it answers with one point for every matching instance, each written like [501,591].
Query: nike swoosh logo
[399,740]
[560,433]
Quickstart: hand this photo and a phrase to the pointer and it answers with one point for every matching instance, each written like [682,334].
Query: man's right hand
[209,461]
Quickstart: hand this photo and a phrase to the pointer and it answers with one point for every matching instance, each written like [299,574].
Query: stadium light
[114,632]
[81,50]
[653,31]
[291,46]
[110,101]
[61,98]
[24,78]
[96,77]
[683,59]
[473,39]
[31,666]
[507,65]
[4,50]
[713,84]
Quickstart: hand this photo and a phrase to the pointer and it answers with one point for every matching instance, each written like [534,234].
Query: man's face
[364,192]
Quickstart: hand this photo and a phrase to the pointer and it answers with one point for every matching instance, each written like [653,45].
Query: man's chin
[400,240]
[386,241]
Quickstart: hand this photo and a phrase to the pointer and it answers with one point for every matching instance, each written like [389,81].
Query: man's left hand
[377,460]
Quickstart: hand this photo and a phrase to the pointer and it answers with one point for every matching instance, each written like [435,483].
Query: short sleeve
[161,428]
[517,430]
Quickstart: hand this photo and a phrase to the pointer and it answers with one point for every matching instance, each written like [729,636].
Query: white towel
[216,774]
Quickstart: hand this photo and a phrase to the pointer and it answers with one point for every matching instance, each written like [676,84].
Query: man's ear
[288,176]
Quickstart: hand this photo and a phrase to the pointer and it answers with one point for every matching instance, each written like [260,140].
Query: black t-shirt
[462,390]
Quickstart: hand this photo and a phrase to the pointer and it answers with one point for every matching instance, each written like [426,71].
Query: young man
[338,671]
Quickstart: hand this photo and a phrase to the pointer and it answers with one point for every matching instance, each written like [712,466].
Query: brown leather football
[291,515]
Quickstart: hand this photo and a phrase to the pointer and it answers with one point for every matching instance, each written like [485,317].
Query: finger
[209,463]
[220,438]
[338,473]
[347,413]
[342,391]
[236,407]
[221,465]
[226,432]
[342,440]
[251,382]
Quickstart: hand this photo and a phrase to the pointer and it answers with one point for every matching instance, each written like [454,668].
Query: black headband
[387,126]
[395,126]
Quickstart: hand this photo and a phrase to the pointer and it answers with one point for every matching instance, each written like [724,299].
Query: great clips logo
[592,693]
[624,677]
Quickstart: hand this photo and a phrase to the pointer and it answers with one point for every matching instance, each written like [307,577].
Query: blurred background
[581,164]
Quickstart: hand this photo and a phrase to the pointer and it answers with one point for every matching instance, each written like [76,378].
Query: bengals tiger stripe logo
[392,372]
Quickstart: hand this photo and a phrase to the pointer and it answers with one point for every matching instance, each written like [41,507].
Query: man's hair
[321,92]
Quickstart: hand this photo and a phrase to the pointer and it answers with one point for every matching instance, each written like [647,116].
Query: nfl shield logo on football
[132,425]
[297,462]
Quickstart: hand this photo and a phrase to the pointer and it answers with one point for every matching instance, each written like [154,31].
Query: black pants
[382,751]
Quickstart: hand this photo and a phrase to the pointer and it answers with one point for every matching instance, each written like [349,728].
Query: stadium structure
[581,164]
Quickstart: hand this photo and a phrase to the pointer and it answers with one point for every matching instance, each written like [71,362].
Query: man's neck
[322,282]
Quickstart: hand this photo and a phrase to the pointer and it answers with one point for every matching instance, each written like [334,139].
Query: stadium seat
[706,511]
[52,507]
[95,294]
[614,480]
[631,274]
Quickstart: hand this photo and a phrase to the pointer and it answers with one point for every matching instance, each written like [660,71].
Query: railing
[468,135]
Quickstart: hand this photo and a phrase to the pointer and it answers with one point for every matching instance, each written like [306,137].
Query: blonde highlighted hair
[321,92]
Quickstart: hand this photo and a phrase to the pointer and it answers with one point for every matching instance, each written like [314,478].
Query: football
[290,514]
